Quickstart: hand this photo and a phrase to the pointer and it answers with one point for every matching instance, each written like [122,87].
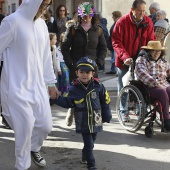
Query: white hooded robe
[27,68]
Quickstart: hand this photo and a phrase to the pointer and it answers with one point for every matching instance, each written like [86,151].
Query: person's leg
[42,125]
[87,151]
[162,96]
[121,73]
[113,55]
[112,61]
[21,120]
[123,110]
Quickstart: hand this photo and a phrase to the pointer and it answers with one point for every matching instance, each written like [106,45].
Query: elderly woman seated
[152,69]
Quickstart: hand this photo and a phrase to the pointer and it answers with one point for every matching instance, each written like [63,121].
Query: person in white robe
[27,71]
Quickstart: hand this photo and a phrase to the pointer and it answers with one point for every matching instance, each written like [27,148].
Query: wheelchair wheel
[131,103]
[157,118]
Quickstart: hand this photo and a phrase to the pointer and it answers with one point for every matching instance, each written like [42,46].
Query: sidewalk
[108,80]
[111,84]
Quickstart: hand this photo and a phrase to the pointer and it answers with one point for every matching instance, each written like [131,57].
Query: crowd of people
[64,55]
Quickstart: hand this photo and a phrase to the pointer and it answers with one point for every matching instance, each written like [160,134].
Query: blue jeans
[87,152]
[121,73]
[113,56]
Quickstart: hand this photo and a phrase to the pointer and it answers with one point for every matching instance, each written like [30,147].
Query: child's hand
[59,73]
[53,92]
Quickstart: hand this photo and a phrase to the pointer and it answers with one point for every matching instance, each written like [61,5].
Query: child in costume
[90,101]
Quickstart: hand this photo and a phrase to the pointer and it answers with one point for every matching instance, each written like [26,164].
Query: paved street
[115,148]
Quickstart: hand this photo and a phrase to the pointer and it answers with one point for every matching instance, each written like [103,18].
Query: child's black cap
[86,64]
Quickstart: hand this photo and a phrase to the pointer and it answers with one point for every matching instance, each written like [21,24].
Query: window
[13,8]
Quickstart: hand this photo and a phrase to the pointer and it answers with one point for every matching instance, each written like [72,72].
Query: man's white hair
[162,13]
[155,5]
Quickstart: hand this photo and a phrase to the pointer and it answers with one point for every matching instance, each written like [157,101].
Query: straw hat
[154,45]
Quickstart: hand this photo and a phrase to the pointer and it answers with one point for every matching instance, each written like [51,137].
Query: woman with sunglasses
[59,25]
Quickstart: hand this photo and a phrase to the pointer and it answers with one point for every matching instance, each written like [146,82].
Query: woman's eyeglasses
[45,5]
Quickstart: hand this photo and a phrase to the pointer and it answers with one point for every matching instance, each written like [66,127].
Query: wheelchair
[135,101]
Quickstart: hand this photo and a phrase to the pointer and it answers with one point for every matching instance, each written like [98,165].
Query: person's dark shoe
[4,122]
[167,124]
[110,72]
[92,168]
[38,159]
[83,160]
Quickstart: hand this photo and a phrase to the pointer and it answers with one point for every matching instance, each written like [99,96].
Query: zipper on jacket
[89,112]
[87,38]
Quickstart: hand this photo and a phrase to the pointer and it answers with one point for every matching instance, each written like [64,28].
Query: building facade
[105,7]
[9,6]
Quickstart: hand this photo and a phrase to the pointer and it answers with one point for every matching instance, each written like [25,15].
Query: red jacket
[127,37]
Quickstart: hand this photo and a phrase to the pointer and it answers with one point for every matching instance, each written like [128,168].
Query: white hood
[25,47]
[29,8]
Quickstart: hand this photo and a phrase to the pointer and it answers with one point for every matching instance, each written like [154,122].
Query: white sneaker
[38,159]
[125,117]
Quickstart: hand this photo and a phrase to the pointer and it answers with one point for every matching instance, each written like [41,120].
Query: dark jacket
[153,17]
[80,44]
[109,42]
[91,106]
[1,18]
[103,23]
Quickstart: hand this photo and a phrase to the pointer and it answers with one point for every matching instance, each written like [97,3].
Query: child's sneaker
[92,168]
[38,159]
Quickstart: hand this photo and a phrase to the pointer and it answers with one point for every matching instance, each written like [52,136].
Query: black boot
[167,124]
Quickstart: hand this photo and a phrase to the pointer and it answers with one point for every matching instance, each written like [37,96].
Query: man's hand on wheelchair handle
[128,61]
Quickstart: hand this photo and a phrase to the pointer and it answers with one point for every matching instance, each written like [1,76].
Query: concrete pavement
[115,148]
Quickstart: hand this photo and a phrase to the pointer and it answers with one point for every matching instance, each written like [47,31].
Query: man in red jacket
[132,31]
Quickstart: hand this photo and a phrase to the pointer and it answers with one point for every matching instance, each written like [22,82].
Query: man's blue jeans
[87,152]
[113,56]
[121,73]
